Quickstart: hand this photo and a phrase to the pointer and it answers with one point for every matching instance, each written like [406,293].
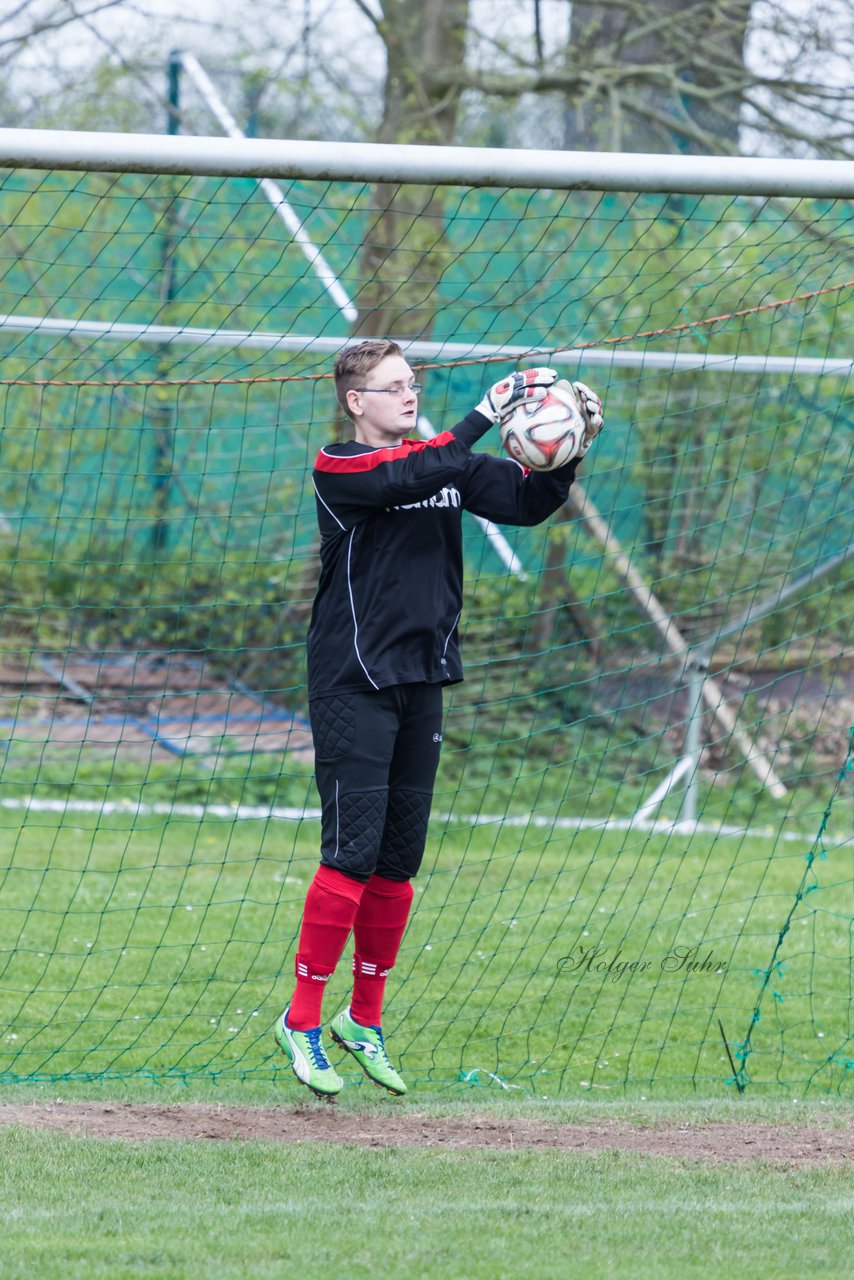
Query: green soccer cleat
[367,1046]
[308,1059]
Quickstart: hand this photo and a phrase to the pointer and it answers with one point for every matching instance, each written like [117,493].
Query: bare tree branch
[54,22]
[634,74]
[376,20]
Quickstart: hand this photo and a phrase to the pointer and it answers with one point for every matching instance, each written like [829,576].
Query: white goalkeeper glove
[591,411]
[506,395]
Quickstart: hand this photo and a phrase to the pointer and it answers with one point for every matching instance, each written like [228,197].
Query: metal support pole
[162,414]
[173,121]
[770,603]
[695,672]
[271,190]
[581,507]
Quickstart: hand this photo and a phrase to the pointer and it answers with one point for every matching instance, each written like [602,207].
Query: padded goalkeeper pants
[376,756]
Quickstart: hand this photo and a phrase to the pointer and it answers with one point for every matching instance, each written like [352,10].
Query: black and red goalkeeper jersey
[390,593]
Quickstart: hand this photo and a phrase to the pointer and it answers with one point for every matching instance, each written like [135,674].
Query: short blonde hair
[355,363]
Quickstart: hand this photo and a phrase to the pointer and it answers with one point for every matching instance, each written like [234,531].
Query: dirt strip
[789,1144]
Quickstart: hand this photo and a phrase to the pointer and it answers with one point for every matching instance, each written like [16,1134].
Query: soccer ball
[544,434]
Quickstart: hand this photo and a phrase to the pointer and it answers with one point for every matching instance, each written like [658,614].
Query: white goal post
[464,166]
[268,159]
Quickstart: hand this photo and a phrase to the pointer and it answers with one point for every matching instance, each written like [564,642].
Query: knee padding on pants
[405,834]
[353,847]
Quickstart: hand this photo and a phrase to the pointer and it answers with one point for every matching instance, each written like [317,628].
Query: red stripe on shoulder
[367,461]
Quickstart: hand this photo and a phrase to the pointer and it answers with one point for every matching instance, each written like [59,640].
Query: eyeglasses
[396,390]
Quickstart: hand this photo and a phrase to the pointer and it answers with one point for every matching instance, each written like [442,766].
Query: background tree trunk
[401,259]
[668,75]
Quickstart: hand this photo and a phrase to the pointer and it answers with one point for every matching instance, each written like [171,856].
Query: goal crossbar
[464,166]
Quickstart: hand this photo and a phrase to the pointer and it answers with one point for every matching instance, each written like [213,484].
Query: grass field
[170,1210]
[145,958]
[558,961]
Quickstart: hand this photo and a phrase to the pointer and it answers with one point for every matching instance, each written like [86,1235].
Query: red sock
[378,931]
[331,905]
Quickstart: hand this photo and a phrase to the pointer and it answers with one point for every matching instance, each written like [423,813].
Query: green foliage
[238,612]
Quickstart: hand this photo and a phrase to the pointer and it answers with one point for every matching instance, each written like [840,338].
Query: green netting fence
[639,871]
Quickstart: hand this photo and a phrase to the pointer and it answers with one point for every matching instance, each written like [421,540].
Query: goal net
[639,866]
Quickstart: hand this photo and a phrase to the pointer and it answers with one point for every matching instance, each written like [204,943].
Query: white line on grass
[266,813]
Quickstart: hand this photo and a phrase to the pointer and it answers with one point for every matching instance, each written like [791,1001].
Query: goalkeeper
[382,643]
